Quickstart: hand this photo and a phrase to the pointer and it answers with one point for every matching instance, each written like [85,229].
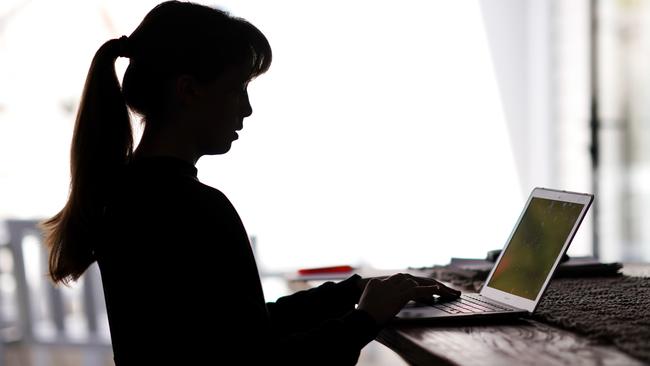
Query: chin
[219,150]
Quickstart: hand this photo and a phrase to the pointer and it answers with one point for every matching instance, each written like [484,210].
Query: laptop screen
[535,245]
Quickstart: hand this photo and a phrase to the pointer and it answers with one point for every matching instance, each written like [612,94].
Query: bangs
[257,53]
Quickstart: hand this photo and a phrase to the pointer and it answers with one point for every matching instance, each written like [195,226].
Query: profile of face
[216,110]
[188,75]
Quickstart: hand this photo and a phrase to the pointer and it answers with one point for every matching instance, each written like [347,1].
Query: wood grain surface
[524,342]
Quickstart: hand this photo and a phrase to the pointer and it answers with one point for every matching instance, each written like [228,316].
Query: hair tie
[125,50]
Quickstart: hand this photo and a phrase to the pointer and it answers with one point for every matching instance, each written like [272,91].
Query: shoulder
[208,205]
[168,196]
[211,193]
[207,195]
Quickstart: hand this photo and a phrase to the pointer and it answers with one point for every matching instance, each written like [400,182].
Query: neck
[166,142]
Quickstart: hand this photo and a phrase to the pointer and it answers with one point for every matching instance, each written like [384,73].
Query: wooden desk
[525,342]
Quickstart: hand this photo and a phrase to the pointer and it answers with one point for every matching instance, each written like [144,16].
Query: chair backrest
[38,311]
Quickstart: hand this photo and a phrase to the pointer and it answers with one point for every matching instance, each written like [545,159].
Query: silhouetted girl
[179,277]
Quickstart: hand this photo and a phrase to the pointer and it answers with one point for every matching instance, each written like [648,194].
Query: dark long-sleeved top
[182,287]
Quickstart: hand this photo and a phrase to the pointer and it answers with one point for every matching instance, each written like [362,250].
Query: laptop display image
[522,272]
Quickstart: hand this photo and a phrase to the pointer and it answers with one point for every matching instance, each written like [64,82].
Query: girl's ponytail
[102,143]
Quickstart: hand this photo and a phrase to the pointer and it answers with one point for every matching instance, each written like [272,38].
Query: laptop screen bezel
[521,302]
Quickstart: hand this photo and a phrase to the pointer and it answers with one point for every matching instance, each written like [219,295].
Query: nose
[247,110]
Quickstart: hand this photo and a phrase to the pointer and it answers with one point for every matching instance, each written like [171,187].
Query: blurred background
[388,134]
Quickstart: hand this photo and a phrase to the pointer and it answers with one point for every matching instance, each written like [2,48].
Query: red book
[325,270]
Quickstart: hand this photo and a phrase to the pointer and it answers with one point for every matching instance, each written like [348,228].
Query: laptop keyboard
[470,304]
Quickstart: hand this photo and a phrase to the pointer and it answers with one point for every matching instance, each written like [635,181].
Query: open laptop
[526,264]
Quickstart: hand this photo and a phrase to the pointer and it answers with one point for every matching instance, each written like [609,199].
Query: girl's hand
[384,297]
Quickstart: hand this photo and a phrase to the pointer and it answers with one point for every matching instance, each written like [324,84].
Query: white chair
[38,314]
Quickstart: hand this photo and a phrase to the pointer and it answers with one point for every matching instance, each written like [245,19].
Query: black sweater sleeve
[319,326]
[305,309]
[322,321]
[337,341]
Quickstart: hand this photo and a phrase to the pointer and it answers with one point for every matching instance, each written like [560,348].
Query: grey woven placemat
[612,310]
